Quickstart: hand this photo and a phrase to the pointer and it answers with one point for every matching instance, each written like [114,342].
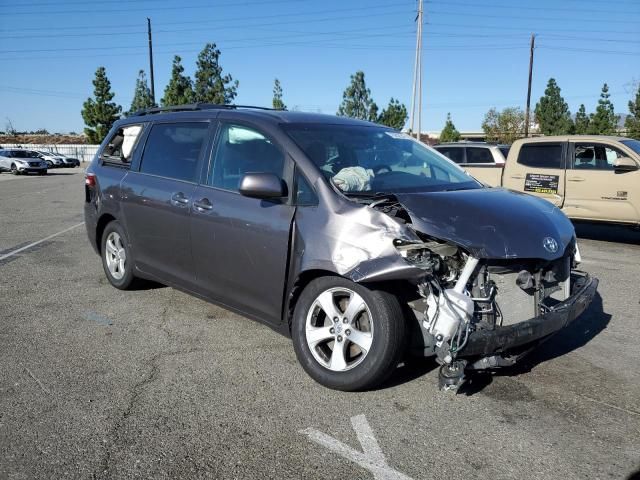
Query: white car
[18,161]
[69,162]
[53,159]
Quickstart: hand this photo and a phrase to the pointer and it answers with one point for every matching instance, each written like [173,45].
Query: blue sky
[476,52]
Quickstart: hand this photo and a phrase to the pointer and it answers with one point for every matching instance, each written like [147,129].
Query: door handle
[179,200]
[203,205]
[517,177]
[575,179]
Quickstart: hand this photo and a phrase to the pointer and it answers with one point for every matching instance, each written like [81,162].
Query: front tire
[346,336]
[116,256]
[14,170]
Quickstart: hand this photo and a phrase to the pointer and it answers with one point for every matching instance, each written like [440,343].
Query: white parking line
[10,254]
[371,457]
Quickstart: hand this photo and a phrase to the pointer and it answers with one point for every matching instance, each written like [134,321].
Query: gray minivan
[356,240]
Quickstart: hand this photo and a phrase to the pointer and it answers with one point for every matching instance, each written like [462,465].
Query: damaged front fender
[352,240]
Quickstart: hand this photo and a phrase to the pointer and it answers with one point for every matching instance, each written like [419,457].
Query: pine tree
[604,121]
[357,101]
[277,102]
[552,112]
[632,122]
[395,115]
[142,95]
[100,113]
[179,90]
[449,132]
[582,121]
[211,86]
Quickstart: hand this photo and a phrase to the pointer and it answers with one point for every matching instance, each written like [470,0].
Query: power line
[517,17]
[199,42]
[307,44]
[155,8]
[589,50]
[546,9]
[79,2]
[243,18]
[527,29]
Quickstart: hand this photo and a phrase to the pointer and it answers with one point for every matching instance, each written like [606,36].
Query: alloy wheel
[339,329]
[115,255]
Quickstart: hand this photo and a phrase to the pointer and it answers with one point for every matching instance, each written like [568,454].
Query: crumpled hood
[490,222]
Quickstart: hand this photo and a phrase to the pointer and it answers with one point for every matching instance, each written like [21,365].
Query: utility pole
[416,90]
[527,112]
[153,87]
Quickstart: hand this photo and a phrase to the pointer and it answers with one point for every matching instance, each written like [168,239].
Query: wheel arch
[395,287]
[103,221]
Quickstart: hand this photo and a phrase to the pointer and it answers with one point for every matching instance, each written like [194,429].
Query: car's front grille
[34,164]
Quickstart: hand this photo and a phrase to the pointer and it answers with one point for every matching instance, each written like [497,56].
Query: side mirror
[625,164]
[262,185]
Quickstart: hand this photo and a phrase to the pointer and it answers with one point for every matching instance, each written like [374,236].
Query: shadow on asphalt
[634,475]
[608,233]
[411,369]
[577,334]
[141,284]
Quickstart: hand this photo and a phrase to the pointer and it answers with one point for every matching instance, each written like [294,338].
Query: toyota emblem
[550,244]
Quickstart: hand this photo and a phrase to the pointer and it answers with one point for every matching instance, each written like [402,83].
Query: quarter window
[173,149]
[305,195]
[243,150]
[120,145]
[542,156]
[479,155]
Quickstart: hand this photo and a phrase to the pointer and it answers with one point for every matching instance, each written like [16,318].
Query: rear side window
[243,150]
[119,149]
[479,155]
[173,149]
[542,156]
[452,153]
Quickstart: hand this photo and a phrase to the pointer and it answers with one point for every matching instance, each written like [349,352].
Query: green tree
[142,95]
[582,121]
[211,86]
[277,102]
[632,122]
[100,113]
[395,115]
[357,101]
[505,126]
[604,121]
[179,90]
[449,132]
[552,112]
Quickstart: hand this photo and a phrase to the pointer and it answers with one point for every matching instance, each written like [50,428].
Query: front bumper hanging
[501,339]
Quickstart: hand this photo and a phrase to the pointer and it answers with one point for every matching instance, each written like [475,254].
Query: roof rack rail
[196,106]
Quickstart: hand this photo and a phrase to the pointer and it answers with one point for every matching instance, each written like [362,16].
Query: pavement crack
[136,392]
[609,405]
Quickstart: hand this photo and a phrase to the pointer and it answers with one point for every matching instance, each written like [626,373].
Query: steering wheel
[378,169]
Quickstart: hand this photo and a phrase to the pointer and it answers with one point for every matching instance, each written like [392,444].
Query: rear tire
[359,350]
[117,260]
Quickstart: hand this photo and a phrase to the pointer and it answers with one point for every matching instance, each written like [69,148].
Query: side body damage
[483,287]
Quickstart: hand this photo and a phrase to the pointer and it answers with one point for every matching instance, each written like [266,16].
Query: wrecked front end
[487,274]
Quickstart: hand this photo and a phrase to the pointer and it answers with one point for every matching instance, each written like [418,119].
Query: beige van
[594,178]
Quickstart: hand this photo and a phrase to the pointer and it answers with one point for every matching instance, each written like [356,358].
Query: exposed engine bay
[461,294]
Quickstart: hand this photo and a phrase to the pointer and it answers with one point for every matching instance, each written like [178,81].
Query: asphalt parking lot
[99,383]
